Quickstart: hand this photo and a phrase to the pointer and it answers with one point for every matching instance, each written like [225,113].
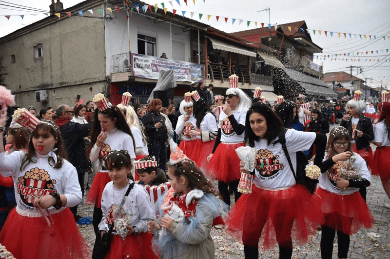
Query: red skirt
[366,155]
[225,164]
[381,163]
[188,147]
[275,216]
[100,181]
[345,213]
[203,149]
[31,237]
[137,246]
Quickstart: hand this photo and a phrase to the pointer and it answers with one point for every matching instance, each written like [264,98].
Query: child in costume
[337,196]
[130,238]
[191,208]
[42,226]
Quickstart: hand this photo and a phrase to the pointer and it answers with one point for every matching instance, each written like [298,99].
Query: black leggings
[224,191]
[327,238]
[252,252]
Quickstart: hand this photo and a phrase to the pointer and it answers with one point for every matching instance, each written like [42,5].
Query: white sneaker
[387,205]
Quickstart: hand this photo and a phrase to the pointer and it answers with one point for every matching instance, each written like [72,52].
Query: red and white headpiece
[385,96]
[233,79]
[187,97]
[101,102]
[357,95]
[142,164]
[177,155]
[25,118]
[126,98]
[195,95]
[279,99]
[80,102]
[218,97]
[257,92]
[263,99]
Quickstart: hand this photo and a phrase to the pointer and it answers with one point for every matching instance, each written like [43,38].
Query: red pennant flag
[262,25]
[69,14]
[226,19]
[366,52]
[174,12]
[185,1]
[372,52]
[8,16]
[150,8]
[370,37]
[326,33]
[217,18]
[296,29]
[117,9]
[345,35]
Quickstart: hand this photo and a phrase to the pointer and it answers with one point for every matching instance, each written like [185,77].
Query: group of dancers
[151,217]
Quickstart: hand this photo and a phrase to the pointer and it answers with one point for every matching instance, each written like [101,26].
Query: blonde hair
[130,116]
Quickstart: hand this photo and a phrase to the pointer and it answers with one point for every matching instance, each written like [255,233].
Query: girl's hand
[242,165]
[194,133]
[346,117]
[158,125]
[167,223]
[359,133]
[153,227]
[209,157]
[342,183]
[100,139]
[186,118]
[227,110]
[131,230]
[342,156]
[45,202]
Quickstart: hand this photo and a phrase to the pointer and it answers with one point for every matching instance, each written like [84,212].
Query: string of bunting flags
[352,54]
[347,35]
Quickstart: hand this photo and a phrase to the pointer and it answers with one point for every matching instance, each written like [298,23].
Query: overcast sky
[365,17]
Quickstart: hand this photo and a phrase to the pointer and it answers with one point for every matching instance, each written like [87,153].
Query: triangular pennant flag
[136,7]
[233,20]
[361,53]
[296,29]
[289,28]
[150,8]
[8,16]
[47,14]
[366,52]
[200,16]
[369,36]
[365,36]
[339,34]
[165,10]
[192,14]
[208,17]
[360,35]
[100,11]
[58,15]
[372,52]
[374,37]
[269,26]
[314,32]
[183,13]
[345,35]
[109,9]
[194,2]
[357,53]
[248,22]
[118,9]
[69,14]
[163,5]
[388,37]
[81,13]
[131,11]
[144,8]
[217,17]
[155,8]
[239,22]
[319,31]
[22,16]
[226,19]
[376,52]
[178,2]
[256,24]
[185,1]
[350,35]
[331,34]
[174,12]
[326,33]
[262,25]
[170,3]
[91,11]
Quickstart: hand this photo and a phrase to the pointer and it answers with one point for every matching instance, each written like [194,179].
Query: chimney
[56,7]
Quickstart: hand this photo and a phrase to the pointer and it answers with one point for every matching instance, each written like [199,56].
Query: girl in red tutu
[130,217]
[186,123]
[205,121]
[337,197]
[109,131]
[381,163]
[42,226]
[360,131]
[224,164]
[277,206]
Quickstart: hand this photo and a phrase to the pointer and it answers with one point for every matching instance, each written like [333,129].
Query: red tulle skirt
[188,147]
[31,237]
[203,150]
[381,163]
[137,246]
[366,155]
[272,217]
[225,164]
[345,213]
[100,181]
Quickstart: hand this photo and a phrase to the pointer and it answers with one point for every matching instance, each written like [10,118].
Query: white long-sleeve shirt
[185,126]
[38,179]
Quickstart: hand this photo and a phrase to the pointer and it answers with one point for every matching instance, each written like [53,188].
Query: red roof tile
[339,77]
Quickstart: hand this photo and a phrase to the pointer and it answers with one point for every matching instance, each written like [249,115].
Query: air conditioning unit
[41,95]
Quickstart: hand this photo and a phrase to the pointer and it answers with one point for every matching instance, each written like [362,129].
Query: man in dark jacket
[73,135]
[156,132]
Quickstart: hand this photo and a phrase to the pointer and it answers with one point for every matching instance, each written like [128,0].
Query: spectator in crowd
[32,110]
[326,112]
[172,116]
[211,94]
[46,114]
[164,55]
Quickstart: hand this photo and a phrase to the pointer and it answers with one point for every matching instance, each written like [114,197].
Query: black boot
[251,252]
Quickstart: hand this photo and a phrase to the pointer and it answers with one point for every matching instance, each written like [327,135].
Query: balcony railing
[221,72]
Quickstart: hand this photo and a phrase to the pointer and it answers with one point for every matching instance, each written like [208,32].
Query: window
[38,50]
[13,59]
[146,45]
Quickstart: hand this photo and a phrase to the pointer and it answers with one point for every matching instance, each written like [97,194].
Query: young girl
[130,238]
[46,184]
[190,210]
[337,197]
[109,132]
[80,111]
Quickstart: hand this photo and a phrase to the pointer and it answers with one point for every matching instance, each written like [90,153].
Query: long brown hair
[118,159]
[51,129]
[338,133]
[20,138]
[153,103]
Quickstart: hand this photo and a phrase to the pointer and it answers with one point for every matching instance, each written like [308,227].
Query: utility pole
[269,15]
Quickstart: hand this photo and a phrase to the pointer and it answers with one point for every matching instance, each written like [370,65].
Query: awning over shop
[217,44]
[312,85]
[271,60]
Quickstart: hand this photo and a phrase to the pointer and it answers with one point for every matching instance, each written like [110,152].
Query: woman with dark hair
[277,206]
[381,162]
[171,115]
[156,132]
[317,124]
[79,112]
[109,132]
[46,114]
[361,133]
[32,110]
[287,111]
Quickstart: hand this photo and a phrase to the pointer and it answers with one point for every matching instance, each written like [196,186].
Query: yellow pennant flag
[58,15]
[165,10]
[208,17]
[155,8]
[339,34]
[109,9]
[361,53]
[331,59]
[319,31]
[289,28]
[365,36]
[194,2]
[256,24]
